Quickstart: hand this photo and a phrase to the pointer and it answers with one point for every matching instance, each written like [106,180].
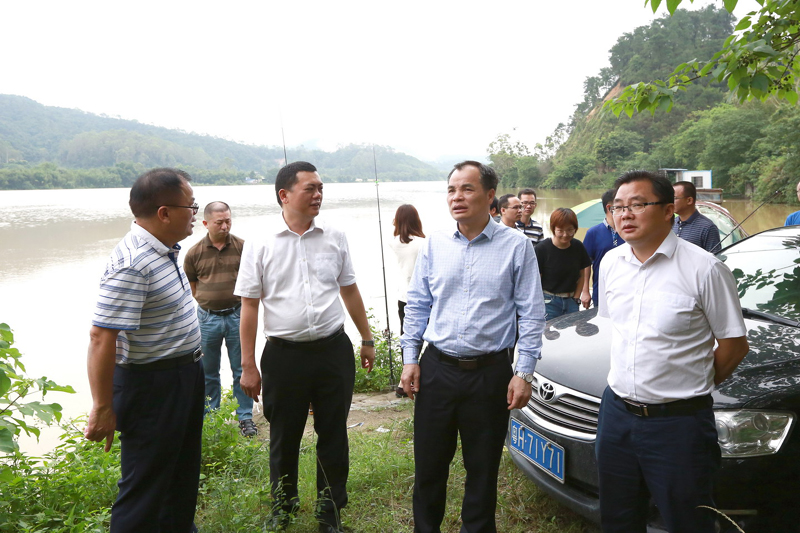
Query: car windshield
[767,272]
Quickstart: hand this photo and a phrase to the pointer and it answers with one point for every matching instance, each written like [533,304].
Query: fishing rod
[388,332]
[285,157]
[773,195]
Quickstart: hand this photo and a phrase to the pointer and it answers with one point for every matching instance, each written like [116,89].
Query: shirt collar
[488,231]
[207,240]
[157,245]
[666,248]
[281,226]
[691,218]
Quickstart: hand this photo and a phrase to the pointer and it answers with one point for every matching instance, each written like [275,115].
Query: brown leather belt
[676,408]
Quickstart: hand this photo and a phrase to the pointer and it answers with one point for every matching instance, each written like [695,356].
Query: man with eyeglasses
[669,302]
[144,365]
[212,266]
[510,210]
[690,225]
[526,224]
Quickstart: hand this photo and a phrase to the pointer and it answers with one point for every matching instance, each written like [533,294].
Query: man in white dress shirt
[668,301]
[298,269]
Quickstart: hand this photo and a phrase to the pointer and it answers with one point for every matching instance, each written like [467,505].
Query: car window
[767,272]
[725,224]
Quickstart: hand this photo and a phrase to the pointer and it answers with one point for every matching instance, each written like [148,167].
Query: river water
[54,245]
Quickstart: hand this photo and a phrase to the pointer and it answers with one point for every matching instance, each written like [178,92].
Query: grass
[72,488]
[380,486]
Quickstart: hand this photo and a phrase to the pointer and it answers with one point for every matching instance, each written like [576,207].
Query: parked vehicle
[756,409]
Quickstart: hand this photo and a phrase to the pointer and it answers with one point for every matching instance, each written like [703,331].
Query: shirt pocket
[673,313]
[327,267]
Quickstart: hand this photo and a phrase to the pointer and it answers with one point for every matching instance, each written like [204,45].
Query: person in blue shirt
[599,239]
[794,218]
[470,288]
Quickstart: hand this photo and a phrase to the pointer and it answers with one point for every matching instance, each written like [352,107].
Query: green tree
[758,61]
[614,147]
[568,173]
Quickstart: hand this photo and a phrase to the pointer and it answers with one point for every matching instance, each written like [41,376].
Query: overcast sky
[432,78]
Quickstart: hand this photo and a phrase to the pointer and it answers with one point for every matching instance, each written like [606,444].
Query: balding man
[212,266]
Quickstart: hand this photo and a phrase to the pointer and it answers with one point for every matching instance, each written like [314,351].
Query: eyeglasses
[529,204]
[636,209]
[568,233]
[194,207]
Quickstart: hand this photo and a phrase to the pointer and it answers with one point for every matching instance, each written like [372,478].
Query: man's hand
[519,392]
[586,299]
[250,382]
[367,357]
[410,380]
[102,423]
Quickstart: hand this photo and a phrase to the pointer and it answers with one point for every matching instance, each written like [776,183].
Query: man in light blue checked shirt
[471,290]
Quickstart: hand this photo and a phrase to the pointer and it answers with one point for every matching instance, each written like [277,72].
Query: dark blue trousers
[452,402]
[673,459]
[295,376]
[160,420]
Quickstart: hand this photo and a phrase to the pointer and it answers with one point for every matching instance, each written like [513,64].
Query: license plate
[543,453]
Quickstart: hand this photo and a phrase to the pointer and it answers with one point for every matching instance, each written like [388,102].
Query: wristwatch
[370,342]
[528,377]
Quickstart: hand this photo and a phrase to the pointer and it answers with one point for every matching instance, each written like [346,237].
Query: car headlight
[749,433]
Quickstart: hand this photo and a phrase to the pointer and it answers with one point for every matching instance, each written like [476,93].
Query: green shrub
[380,377]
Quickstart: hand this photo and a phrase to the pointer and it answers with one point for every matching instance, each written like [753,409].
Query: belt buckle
[468,364]
[640,408]
[197,355]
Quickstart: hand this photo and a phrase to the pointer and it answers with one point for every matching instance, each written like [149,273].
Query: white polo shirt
[297,278]
[666,314]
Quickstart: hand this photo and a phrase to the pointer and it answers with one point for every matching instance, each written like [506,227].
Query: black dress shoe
[327,528]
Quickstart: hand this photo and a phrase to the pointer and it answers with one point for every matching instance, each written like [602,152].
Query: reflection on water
[54,245]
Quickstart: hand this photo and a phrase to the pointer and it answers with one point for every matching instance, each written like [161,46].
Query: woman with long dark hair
[407,242]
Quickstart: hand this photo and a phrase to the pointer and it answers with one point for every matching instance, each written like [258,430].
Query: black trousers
[470,403]
[160,420]
[671,458]
[295,376]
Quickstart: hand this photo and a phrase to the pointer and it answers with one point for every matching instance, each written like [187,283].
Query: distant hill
[51,147]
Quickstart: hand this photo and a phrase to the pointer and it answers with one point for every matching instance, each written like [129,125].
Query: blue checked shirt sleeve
[418,308]
[529,302]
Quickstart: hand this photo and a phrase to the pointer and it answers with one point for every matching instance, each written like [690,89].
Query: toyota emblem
[547,392]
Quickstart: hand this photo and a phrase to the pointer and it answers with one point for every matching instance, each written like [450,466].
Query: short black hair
[503,202]
[608,198]
[489,179]
[527,191]
[154,188]
[662,187]
[495,205]
[688,189]
[287,176]
[215,207]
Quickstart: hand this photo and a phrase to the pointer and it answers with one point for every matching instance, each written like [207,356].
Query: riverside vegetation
[71,489]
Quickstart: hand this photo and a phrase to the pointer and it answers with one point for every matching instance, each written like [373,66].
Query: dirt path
[369,411]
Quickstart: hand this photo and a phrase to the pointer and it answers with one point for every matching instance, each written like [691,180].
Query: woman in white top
[408,240]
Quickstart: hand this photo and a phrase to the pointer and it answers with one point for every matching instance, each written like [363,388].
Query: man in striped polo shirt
[689,224]
[526,224]
[144,365]
[212,266]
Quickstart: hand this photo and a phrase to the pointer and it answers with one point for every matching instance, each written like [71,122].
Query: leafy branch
[759,60]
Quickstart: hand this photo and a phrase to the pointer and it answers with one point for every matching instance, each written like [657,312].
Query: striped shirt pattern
[698,229]
[145,294]
[472,291]
[215,272]
[533,230]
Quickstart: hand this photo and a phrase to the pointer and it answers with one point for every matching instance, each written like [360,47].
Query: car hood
[575,353]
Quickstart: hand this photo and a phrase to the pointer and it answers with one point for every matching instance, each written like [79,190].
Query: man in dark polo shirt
[689,224]
[211,266]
